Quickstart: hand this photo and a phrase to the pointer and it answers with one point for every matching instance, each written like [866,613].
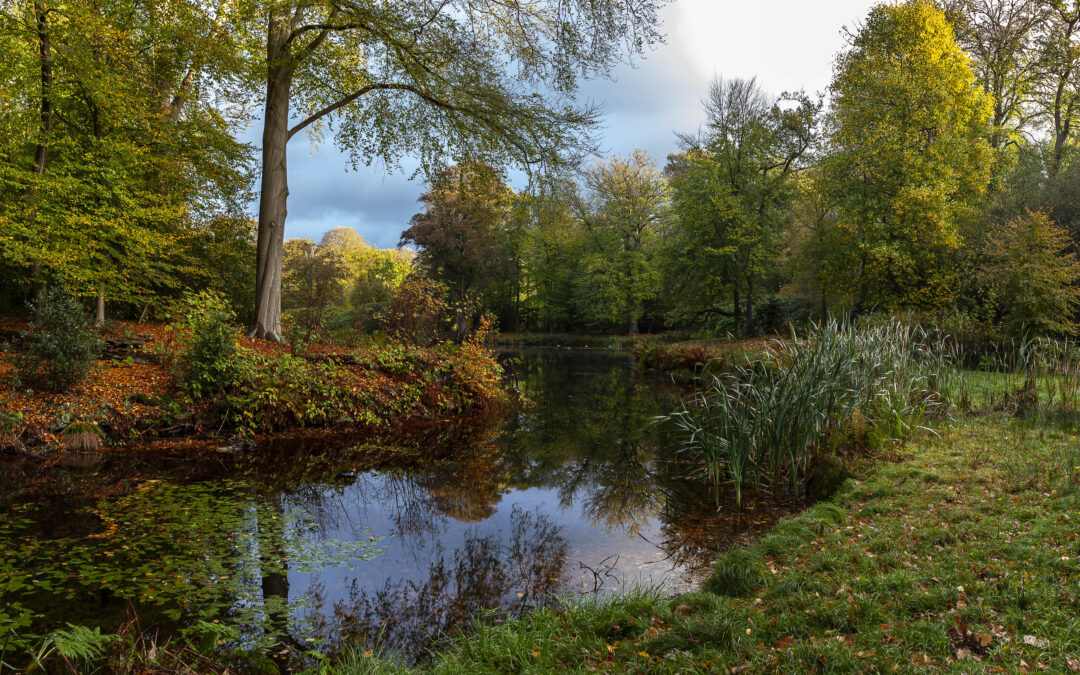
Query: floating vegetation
[179,553]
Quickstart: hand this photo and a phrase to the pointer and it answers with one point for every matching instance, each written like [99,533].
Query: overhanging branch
[388,86]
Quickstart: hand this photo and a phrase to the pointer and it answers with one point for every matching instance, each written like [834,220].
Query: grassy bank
[270,388]
[960,555]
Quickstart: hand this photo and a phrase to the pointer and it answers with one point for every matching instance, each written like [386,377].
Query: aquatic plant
[766,422]
[82,436]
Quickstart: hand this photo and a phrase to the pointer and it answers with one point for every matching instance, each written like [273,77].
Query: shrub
[60,346]
[1031,274]
[418,312]
[209,360]
[658,357]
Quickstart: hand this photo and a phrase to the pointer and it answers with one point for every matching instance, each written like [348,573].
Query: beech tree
[732,185]
[463,235]
[483,80]
[112,158]
[624,216]
[1002,37]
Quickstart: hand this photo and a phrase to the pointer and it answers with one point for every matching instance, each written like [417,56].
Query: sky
[787,44]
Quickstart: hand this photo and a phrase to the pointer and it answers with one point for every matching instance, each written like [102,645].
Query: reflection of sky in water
[576,491]
[632,556]
[582,460]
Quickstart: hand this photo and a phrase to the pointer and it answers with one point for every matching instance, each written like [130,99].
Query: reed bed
[765,423]
[1029,377]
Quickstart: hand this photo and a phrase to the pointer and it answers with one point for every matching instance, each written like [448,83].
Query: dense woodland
[937,175]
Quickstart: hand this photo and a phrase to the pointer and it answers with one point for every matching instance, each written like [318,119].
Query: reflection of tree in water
[486,573]
[466,491]
[589,435]
[696,523]
[593,438]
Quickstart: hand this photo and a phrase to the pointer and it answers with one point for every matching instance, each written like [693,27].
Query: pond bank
[124,402]
[572,496]
[961,554]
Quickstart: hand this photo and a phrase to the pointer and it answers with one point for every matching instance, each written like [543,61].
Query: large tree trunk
[274,190]
[41,153]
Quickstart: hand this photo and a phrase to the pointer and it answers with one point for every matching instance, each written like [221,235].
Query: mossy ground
[960,555]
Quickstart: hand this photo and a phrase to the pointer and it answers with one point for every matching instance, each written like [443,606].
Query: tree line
[939,179]
[121,170]
[936,175]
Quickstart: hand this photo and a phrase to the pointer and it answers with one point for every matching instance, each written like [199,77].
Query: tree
[1032,277]
[314,275]
[482,80]
[732,186]
[908,158]
[1055,94]
[1002,38]
[375,288]
[120,161]
[552,251]
[463,235]
[628,201]
[810,238]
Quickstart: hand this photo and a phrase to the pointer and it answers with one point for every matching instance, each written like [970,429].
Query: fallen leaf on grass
[963,639]
[784,643]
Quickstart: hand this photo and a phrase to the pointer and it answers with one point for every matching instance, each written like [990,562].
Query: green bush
[209,360]
[60,345]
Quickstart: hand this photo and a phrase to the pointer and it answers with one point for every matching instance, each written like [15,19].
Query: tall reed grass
[1031,376]
[764,423]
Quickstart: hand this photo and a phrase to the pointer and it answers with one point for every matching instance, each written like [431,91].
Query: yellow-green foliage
[1032,275]
[909,156]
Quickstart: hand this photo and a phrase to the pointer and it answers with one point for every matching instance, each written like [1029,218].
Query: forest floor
[132,402]
[958,552]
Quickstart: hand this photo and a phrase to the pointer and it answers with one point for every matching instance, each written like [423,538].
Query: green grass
[968,543]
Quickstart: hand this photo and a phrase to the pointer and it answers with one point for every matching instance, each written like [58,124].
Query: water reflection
[487,572]
[575,493]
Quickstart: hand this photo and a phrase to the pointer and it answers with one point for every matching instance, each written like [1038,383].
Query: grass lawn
[959,554]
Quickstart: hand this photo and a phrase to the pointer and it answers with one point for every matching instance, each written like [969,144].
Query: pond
[397,539]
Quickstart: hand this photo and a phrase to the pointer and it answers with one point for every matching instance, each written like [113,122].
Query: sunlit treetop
[908,156]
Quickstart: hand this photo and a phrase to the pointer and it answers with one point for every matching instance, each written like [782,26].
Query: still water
[302,544]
